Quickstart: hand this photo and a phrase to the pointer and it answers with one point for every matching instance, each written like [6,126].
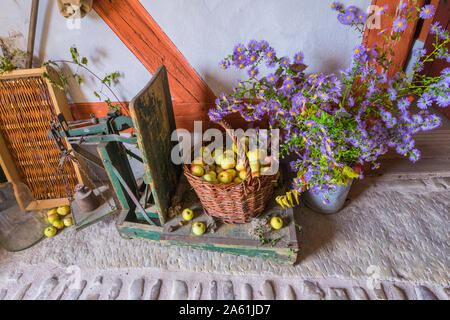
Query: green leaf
[97,95]
[75,55]
[349,172]
[84,61]
[78,78]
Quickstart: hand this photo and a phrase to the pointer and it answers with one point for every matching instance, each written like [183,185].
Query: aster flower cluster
[332,123]
[350,15]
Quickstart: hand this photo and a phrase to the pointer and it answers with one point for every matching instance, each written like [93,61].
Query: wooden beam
[401,48]
[142,35]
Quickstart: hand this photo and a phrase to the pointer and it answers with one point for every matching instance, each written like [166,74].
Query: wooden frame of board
[61,105]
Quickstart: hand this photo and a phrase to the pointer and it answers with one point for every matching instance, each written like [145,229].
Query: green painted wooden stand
[145,212]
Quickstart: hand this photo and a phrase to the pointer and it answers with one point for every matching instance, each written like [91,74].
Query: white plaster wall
[94,40]
[205,31]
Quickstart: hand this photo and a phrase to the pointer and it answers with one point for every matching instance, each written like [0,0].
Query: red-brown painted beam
[401,48]
[143,36]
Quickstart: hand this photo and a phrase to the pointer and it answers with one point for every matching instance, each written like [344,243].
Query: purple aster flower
[383,9]
[253,45]
[404,6]
[263,45]
[399,24]
[335,5]
[424,101]
[239,48]
[252,57]
[270,53]
[392,94]
[427,11]
[352,9]
[361,17]
[443,100]
[414,155]
[349,17]
[272,78]
[284,62]
[298,58]
[253,72]
[224,64]
[341,18]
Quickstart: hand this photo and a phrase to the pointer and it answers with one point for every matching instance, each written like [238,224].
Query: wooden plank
[154,122]
[143,36]
[425,30]
[401,48]
[47,204]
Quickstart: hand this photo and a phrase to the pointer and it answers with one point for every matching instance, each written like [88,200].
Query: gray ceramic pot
[337,200]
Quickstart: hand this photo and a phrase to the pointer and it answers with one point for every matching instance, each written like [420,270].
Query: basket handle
[240,149]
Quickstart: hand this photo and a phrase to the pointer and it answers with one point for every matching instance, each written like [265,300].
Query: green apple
[198,228]
[224,177]
[209,177]
[53,217]
[243,174]
[187,214]
[276,223]
[58,224]
[50,232]
[197,171]
[63,211]
[68,221]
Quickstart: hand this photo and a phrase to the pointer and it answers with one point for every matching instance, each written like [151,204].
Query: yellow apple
[187,214]
[219,169]
[256,174]
[198,228]
[240,165]
[63,211]
[198,162]
[209,177]
[224,177]
[228,163]
[52,211]
[276,223]
[218,156]
[53,217]
[212,173]
[50,232]
[256,155]
[197,171]
[68,221]
[255,166]
[242,174]
[232,172]
[245,141]
[237,180]
[58,224]
[267,171]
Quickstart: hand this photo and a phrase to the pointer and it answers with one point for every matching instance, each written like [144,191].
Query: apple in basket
[232,172]
[225,177]
[197,171]
[240,165]
[242,174]
[210,177]
[255,166]
[228,163]
[256,155]
[237,180]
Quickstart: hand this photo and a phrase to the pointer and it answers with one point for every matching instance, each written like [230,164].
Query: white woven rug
[394,231]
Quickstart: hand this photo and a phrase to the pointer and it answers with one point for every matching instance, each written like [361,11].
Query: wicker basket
[233,203]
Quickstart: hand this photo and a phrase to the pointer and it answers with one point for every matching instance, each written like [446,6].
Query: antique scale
[144,208]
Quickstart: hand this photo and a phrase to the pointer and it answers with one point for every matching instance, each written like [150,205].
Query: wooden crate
[28,155]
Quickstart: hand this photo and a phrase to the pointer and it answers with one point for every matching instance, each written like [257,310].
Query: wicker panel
[26,109]
[233,203]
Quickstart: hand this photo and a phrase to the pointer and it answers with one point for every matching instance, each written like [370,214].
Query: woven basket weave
[233,203]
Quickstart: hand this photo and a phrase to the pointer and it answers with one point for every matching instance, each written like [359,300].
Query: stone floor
[389,242]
